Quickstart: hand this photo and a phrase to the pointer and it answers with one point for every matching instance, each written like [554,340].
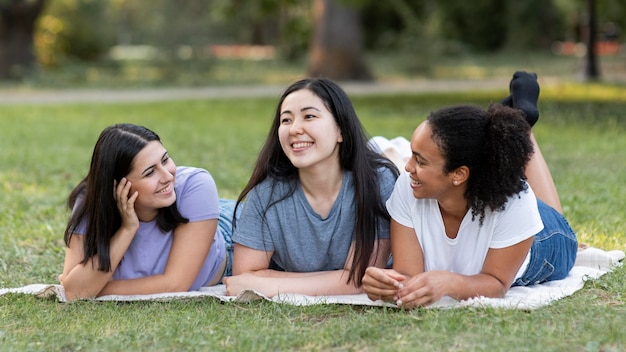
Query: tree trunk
[591,71]
[17,27]
[336,49]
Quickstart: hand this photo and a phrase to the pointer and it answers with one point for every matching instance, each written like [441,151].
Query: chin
[170,201]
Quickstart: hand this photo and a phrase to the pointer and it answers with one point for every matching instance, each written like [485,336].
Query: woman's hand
[425,289]
[126,204]
[236,284]
[382,284]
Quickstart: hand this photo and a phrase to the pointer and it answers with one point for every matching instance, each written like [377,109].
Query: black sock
[524,95]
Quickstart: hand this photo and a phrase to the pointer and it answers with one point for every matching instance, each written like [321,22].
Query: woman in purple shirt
[142,225]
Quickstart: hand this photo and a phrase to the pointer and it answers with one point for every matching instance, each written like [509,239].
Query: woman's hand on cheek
[126,203]
[423,289]
[382,284]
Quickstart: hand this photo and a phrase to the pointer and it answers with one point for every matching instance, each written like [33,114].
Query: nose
[166,175]
[296,126]
[409,167]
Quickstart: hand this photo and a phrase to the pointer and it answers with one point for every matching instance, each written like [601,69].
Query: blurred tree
[17,27]
[533,24]
[285,24]
[591,72]
[481,24]
[336,49]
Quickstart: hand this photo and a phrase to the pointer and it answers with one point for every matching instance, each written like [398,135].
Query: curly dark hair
[494,144]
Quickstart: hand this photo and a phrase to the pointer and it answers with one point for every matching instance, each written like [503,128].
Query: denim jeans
[225,224]
[553,252]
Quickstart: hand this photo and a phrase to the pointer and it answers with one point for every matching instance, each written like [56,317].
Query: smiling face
[426,166]
[152,176]
[308,132]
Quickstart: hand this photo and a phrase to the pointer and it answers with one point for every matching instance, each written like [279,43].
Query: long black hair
[494,144]
[92,200]
[354,155]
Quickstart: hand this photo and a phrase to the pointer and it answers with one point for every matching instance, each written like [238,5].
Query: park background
[206,75]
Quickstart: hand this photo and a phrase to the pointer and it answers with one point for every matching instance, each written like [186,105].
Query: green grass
[45,151]
[384,66]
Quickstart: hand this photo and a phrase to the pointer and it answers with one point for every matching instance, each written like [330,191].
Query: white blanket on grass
[591,263]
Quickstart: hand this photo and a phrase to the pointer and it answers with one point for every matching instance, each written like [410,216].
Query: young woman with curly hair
[465,218]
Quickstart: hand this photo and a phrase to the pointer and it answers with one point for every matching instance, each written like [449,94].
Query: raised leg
[540,178]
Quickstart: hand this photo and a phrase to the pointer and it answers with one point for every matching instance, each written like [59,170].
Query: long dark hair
[92,200]
[354,156]
[494,144]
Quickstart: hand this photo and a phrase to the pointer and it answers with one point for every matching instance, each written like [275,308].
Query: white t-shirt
[466,253]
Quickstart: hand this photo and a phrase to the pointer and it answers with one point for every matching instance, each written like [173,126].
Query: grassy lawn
[45,151]
[385,67]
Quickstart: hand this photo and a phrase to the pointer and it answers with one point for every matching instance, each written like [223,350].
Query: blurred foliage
[74,29]
[179,31]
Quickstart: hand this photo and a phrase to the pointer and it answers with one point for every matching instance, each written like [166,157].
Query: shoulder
[519,207]
[192,178]
[523,198]
[270,187]
[387,175]
[187,174]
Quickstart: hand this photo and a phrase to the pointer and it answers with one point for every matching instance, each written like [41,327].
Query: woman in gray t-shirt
[314,217]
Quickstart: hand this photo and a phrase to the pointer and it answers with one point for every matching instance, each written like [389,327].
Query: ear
[460,175]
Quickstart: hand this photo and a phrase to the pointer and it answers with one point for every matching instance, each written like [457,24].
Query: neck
[320,183]
[454,205]
[146,215]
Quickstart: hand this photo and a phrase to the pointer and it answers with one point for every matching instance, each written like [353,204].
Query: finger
[371,284]
[124,191]
[119,189]
[132,199]
[416,298]
[380,275]
[395,275]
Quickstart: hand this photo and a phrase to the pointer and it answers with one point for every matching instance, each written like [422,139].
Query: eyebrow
[418,155]
[152,166]
[301,110]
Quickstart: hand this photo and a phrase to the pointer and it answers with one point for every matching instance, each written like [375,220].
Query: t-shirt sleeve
[518,221]
[399,204]
[252,229]
[197,198]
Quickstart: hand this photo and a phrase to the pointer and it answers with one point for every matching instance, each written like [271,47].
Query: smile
[167,189]
[301,145]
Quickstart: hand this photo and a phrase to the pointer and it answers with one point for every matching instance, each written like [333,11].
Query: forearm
[285,274]
[463,287]
[85,280]
[144,286]
[314,284]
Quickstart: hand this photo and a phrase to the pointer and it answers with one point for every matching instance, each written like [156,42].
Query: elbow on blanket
[72,294]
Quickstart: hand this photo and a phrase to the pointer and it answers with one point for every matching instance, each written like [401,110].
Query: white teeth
[165,190]
[301,145]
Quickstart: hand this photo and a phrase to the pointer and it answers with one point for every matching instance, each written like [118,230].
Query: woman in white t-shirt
[465,219]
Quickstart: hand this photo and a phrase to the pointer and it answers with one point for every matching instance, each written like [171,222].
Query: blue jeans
[553,252]
[225,224]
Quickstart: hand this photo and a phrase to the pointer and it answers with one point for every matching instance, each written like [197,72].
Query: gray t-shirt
[303,241]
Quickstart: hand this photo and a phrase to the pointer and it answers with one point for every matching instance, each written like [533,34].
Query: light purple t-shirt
[197,200]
